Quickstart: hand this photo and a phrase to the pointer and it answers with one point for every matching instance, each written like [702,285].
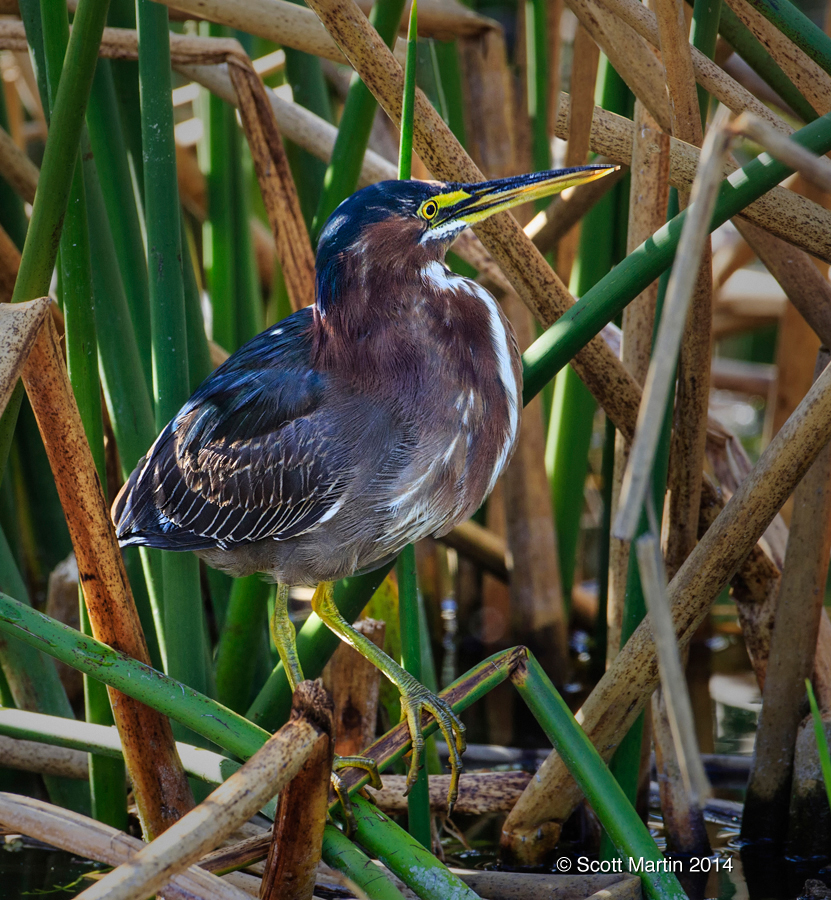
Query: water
[31,869]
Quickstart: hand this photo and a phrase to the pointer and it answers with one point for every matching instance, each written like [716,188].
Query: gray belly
[413,496]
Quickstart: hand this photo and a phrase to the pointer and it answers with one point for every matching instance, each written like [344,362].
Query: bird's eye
[430,209]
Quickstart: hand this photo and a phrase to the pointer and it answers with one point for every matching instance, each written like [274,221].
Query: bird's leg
[414,696]
[283,634]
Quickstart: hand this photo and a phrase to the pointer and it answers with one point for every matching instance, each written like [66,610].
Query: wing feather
[250,456]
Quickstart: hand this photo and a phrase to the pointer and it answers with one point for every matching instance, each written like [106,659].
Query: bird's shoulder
[268,383]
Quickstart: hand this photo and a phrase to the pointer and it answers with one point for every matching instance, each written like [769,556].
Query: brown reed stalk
[628,683]
[792,649]
[682,807]
[9,264]
[810,79]
[94,840]
[648,195]
[20,172]
[159,783]
[795,219]
[585,57]
[294,248]
[297,836]
[631,56]
[266,773]
[708,74]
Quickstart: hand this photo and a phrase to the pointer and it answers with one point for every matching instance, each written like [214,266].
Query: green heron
[381,414]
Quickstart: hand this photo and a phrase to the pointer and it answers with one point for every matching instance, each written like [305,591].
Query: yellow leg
[283,635]
[415,698]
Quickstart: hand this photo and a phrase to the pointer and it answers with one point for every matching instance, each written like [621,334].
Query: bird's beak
[471,203]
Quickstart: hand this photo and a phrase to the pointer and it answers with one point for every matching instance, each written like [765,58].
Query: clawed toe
[416,698]
[339,785]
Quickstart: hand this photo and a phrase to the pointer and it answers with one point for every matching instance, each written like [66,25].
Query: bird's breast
[473,394]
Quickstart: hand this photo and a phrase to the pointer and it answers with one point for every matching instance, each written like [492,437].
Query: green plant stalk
[219,245]
[56,172]
[190,708]
[704,30]
[30,14]
[43,235]
[304,74]
[45,535]
[219,587]
[403,855]
[607,299]
[113,167]
[184,631]
[629,834]
[19,519]
[822,739]
[125,75]
[383,606]
[125,389]
[33,681]
[418,800]
[536,55]
[796,26]
[450,73]
[315,646]
[195,711]
[236,656]
[429,678]
[428,77]
[6,699]
[341,854]
[161,197]
[341,178]
[405,146]
[250,319]
[751,50]
[199,353]
[566,455]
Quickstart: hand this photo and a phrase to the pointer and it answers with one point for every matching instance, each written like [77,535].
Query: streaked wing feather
[244,459]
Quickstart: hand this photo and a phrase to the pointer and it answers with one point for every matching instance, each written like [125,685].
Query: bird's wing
[248,457]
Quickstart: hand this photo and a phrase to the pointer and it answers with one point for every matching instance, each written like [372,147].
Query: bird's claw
[339,785]
[415,698]
[367,763]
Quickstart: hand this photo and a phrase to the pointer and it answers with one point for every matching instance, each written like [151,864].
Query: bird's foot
[339,785]
[415,698]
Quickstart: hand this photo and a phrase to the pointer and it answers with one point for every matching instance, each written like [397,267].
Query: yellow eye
[430,209]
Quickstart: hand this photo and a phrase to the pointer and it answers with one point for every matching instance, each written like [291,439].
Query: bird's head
[405,224]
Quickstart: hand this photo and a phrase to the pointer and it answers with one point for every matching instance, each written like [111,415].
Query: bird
[381,414]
